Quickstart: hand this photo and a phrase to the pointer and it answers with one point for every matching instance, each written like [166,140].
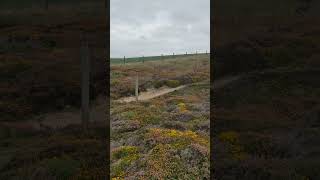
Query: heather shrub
[172,83]
[123,157]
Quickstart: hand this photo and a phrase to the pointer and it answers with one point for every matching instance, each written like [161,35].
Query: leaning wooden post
[137,86]
[85,78]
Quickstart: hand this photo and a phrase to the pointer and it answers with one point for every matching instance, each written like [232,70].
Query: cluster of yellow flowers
[159,161]
[185,137]
[124,155]
[182,107]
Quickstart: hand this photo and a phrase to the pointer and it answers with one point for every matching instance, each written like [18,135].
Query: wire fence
[143,59]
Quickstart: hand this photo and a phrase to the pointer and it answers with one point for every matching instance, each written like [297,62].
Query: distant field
[149,58]
[182,69]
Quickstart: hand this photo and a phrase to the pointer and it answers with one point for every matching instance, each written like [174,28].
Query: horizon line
[208,52]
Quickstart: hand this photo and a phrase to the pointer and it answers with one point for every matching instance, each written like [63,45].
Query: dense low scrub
[168,136]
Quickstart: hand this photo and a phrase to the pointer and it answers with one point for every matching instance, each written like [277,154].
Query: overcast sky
[155,27]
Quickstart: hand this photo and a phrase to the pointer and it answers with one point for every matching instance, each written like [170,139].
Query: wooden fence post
[85,81]
[124,59]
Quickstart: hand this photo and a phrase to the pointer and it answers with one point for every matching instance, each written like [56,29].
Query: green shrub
[158,84]
[172,83]
[161,163]
[124,151]
[115,82]
[129,114]
[182,107]
[124,156]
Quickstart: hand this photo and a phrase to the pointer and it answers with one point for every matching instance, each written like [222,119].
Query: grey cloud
[147,27]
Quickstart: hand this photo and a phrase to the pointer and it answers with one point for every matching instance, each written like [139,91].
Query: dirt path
[153,93]
[59,120]
[150,94]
